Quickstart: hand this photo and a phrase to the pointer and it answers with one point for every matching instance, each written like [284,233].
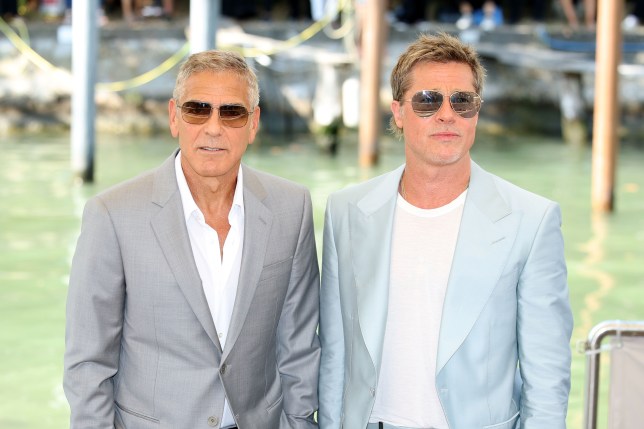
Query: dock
[524,68]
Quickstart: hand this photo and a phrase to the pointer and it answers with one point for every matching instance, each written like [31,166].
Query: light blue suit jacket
[504,345]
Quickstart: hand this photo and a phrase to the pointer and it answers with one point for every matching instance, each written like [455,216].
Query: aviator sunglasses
[425,103]
[198,112]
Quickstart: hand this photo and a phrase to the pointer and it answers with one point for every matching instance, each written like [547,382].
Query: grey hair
[217,61]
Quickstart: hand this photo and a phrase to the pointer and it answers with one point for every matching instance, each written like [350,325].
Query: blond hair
[438,48]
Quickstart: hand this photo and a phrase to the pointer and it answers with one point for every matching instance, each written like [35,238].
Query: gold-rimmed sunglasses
[198,112]
[427,102]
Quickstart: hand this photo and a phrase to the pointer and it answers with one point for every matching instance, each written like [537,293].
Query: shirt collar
[188,203]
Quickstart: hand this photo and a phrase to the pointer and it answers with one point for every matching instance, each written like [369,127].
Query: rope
[347,18]
[24,48]
[148,76]
[21,43]
[296,40]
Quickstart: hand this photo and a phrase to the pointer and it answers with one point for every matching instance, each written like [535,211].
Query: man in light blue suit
[444,299]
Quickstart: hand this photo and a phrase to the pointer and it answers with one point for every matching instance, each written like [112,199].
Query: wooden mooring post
[373,39]
[605,120]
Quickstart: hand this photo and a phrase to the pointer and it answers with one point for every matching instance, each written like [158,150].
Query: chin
[447,159]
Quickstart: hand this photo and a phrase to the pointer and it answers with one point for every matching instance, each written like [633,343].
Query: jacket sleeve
[94,321]
[331,333]
[298,343]
[544,328]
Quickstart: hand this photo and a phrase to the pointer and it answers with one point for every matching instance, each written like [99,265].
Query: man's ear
[254,124]
[396,110]
[173,117]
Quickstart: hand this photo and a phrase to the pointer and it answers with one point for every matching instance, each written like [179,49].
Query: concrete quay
[307,85]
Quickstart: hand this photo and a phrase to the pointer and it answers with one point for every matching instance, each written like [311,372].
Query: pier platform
[533,84]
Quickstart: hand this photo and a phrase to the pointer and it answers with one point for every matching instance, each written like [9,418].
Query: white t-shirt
[423,246]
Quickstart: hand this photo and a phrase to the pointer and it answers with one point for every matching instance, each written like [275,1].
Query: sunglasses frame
[224,121]
[467,114]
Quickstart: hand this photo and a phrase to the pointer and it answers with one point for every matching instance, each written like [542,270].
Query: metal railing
[592,347]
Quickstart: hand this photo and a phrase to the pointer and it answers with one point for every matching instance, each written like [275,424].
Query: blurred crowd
[486,14]
[130,10]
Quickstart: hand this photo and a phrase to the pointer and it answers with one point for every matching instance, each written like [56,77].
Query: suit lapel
[170,229]
[480,255]
[257,225]
[371,223]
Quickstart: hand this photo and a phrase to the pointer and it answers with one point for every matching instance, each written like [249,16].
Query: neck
[211,194]
[429,189]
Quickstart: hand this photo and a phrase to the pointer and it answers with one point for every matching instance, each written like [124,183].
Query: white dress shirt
[219,274]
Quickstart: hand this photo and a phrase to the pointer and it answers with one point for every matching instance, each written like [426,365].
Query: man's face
[213,149]
[444,138]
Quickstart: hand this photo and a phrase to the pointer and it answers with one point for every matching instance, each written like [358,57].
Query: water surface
[40,210]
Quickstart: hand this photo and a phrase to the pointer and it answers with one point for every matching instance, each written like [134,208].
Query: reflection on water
[591,268]
[40,218]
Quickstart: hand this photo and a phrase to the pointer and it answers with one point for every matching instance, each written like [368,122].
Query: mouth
[210,149]
[445,134]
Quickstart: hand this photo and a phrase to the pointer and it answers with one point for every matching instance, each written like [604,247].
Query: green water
[40,212]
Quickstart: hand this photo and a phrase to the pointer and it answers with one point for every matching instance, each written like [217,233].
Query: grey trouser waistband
[388,426]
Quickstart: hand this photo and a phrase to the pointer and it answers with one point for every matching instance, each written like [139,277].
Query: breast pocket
[281,268]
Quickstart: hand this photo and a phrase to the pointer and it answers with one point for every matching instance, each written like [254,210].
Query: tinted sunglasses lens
[194,112]
[426,103]
[233,115]
[466,104]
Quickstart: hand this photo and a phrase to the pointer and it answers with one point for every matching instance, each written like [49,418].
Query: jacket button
[222,370]
[213,421]
[372,391]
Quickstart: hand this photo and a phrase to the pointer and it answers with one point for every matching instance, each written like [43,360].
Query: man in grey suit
[444,300]
[194,289]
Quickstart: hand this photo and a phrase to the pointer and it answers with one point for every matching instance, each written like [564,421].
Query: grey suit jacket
[506,305]
[141,347]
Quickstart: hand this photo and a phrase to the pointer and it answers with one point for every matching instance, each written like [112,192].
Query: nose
[213,124]
[445,113]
